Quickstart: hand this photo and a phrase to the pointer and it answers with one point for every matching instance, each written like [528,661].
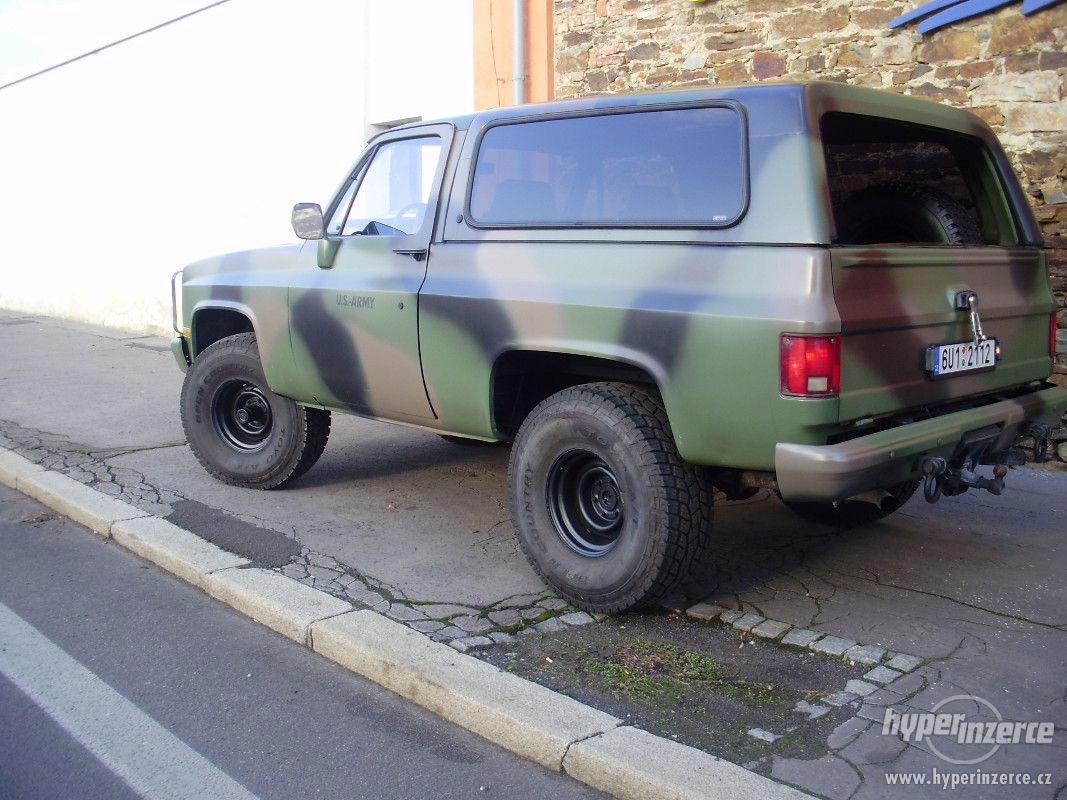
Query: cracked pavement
[973,585]
[404,522]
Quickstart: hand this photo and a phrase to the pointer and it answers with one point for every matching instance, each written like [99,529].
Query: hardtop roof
[803,102]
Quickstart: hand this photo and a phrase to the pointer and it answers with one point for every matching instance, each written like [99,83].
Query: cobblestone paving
[777,591]
[883,685]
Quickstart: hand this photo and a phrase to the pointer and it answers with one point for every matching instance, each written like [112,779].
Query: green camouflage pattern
[347,323]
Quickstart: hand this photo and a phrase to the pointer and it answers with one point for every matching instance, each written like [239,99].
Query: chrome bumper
[885,458]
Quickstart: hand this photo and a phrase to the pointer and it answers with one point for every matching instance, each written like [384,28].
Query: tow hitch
[955,475]
[941,478]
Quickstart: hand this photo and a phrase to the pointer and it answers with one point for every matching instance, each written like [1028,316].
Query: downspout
[518,52]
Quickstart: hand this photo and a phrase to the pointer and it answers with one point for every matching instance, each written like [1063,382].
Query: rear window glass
[899,183]
[680,168]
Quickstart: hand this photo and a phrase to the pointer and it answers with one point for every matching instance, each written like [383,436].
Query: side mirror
[307,221]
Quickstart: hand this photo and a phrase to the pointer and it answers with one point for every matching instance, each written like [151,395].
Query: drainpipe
[518,51]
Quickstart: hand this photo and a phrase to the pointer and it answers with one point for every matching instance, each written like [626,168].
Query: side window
[676,168]
[392,195]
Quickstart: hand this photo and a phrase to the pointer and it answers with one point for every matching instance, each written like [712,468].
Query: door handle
[418,254]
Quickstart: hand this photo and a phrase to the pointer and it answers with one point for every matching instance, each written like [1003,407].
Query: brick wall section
[1009,69]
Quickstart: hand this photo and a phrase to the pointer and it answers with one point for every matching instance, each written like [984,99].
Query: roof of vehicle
[803,101]
[783,120]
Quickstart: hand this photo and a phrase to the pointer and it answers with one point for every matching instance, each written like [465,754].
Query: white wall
[197,138]
[426,67]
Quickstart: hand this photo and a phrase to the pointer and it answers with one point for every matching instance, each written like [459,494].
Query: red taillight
[1052,335]
[811,365]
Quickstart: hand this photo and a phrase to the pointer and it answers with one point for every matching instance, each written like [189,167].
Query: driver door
[353,317]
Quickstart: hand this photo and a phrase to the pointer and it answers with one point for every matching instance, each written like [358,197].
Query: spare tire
[904,213]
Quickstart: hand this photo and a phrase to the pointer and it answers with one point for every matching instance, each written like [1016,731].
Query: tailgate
[896,301]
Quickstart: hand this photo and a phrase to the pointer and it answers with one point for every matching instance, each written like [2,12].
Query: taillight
[1052,335]
[811,365]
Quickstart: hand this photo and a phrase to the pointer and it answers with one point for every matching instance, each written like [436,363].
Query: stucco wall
[197,139]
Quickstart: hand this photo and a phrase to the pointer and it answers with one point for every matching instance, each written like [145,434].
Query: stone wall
[1009,69]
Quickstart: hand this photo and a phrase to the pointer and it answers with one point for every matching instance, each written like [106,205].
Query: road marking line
[150,759]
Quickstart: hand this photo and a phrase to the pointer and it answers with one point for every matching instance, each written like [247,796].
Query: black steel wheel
[585,502]
[239,430]
[242,414]
[605,509]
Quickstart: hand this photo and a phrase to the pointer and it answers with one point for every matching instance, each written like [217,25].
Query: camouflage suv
[834,293]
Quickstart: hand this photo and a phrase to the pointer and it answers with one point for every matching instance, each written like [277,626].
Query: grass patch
[658,672]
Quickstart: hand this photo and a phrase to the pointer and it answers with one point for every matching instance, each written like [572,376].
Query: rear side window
[669,168]
[893,182]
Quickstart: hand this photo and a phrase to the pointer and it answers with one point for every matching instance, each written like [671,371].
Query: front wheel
[238,429]
[606,510]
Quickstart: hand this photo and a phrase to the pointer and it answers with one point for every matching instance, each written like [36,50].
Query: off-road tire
[296,438]
[667,502]
[855,513]
[904,212]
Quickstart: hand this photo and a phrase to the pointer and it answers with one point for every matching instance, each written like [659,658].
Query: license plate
[956,357]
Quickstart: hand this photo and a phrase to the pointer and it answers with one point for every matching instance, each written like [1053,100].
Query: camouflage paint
[355,330]
[256,284]
[354,319]
[702,321]
[700,310]
[896,301]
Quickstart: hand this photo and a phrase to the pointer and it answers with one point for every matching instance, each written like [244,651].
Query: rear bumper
[885,458]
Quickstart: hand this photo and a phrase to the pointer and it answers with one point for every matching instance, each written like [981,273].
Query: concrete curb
[282,604]
[84,505]
[522,716]
[12,465]
[632,764]
[519,715]
[174,549]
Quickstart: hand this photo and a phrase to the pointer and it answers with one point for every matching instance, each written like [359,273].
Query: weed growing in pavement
[657,672]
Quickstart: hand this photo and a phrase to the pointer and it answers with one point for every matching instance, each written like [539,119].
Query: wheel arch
[524,375]
[216,320]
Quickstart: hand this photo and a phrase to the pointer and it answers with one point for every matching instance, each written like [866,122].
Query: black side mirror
[307,221]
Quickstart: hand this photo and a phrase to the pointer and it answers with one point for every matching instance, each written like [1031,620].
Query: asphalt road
[117,680]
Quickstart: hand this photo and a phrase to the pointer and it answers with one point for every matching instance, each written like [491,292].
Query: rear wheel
[606,510]
[854,513]
[238,429]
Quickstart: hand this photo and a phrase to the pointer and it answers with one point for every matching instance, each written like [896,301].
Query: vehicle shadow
[756,543]
[383,456]
[759,544]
